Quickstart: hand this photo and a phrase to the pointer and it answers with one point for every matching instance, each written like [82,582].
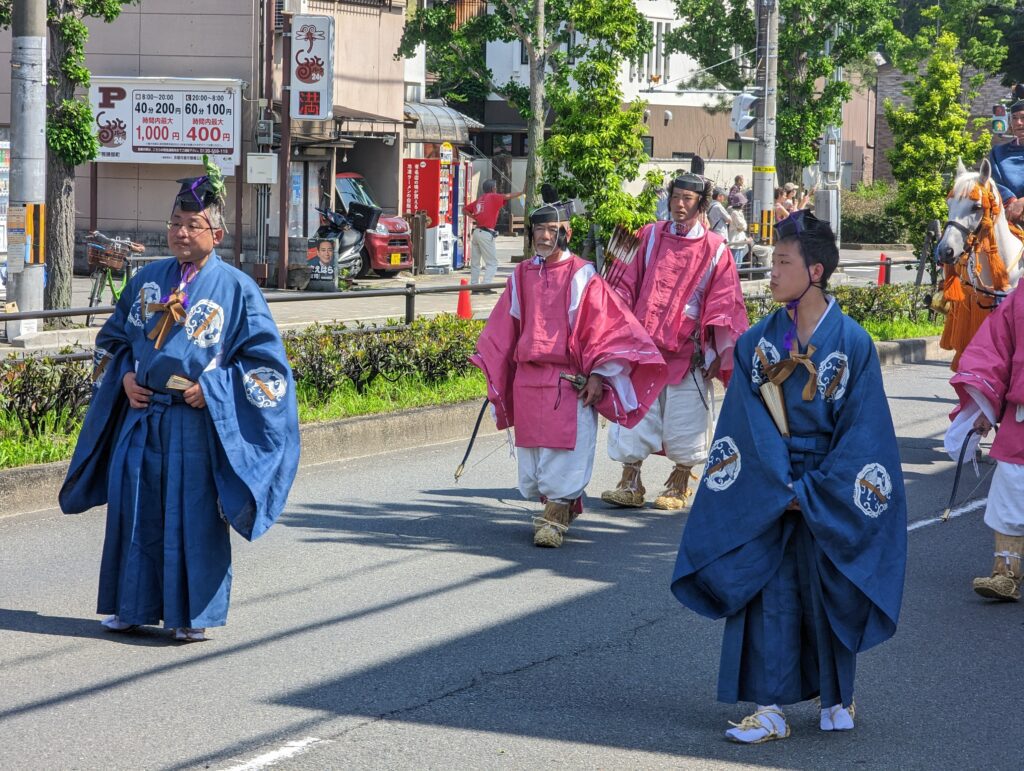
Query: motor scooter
[337,227]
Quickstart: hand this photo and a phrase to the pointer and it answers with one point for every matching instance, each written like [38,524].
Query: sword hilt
[578,381]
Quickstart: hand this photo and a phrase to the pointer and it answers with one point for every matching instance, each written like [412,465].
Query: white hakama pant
[564,474]
[678,423]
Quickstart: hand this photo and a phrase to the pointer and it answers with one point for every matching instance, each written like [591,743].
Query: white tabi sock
[114,624]
[836,718]
[766,721]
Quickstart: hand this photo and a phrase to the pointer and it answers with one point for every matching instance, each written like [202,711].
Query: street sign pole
[27,211]
[767,79]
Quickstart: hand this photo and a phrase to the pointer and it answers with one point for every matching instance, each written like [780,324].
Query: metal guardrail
[410,291]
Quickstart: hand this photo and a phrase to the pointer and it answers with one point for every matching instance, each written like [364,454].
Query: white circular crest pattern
[204,323]
[771,353]
[264,387]
[723,466]
[872,489]
[835,365]
[151,291]
[99,365]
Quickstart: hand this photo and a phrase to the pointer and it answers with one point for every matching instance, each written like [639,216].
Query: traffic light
[999,119]
[743,112]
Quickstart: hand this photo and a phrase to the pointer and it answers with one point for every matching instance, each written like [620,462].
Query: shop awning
[437,122]
[352,121]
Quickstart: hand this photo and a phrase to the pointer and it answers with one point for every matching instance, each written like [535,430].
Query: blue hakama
[173,477]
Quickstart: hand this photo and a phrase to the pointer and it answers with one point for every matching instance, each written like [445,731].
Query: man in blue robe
[193,426]
[797,535]
[1008,163]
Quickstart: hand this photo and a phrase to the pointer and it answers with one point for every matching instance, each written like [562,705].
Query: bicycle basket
[107,253]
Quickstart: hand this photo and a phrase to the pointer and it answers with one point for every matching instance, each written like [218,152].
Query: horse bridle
[969,251]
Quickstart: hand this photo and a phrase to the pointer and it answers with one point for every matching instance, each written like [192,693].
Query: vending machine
[427,187]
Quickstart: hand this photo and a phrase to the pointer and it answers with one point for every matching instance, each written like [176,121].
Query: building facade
[237,40]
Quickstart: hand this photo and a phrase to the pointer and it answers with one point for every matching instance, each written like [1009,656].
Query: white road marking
[967,508]
[289,750]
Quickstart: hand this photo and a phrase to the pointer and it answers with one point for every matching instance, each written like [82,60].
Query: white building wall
[656,70]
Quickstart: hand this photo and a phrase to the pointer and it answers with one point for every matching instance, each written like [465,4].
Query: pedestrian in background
[718,215]
[740,241]
[484,213]
[193,426]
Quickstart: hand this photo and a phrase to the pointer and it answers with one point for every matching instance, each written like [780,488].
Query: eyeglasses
[796,223]
[187,229]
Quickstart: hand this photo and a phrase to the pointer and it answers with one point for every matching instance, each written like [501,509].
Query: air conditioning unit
[288,6]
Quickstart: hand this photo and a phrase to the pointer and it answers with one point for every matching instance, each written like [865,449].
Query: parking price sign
[167,120]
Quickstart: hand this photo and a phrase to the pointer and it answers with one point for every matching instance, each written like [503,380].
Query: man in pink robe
[683,287]
[990,385]
[558,316]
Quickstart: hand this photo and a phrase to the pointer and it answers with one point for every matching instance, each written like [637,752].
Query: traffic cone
[464,310]
[883,270]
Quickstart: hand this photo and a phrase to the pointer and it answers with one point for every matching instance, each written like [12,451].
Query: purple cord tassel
[787,339]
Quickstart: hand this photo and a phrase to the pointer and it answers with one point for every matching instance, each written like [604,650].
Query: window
[648,146]
[570,47]
[524,57]
[739,150]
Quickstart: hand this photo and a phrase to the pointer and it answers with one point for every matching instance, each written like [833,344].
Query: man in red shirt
[484,212]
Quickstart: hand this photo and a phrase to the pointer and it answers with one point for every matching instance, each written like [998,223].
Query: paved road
[393,620]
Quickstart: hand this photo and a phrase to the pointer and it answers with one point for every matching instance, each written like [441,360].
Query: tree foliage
[70,129]
[929,136]
[712,31]
[580,50]
[595,143]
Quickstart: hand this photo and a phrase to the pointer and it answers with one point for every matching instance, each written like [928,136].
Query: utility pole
[26,213]
[767,89]
[284,177]
[830,166]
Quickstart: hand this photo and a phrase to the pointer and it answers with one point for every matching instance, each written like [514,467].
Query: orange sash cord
[780,371]
[174,313]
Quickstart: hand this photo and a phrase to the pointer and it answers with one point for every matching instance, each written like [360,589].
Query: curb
[32,488]
[878,247]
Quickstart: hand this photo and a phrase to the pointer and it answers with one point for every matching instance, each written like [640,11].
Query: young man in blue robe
[193,426]
[797,535]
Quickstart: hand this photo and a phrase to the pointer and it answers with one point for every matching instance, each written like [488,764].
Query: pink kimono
[990,378]
[684,297]
[562,317]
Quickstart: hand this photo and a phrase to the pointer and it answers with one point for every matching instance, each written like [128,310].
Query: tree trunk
[60,191]
[60,232]
[535,125]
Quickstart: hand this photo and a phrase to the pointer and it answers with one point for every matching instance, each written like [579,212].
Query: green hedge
[864,217]
[432,350]
[862,303]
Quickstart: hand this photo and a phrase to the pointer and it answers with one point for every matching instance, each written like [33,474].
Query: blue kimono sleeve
[855,505]
[86,483]
[731,546]
[251,401]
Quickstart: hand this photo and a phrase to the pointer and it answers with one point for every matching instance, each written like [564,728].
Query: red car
[388,247]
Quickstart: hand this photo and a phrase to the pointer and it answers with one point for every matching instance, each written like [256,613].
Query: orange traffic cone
[883,270]
[464,310]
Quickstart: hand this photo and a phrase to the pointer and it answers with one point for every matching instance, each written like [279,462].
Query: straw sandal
[190,634]
[759,721]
